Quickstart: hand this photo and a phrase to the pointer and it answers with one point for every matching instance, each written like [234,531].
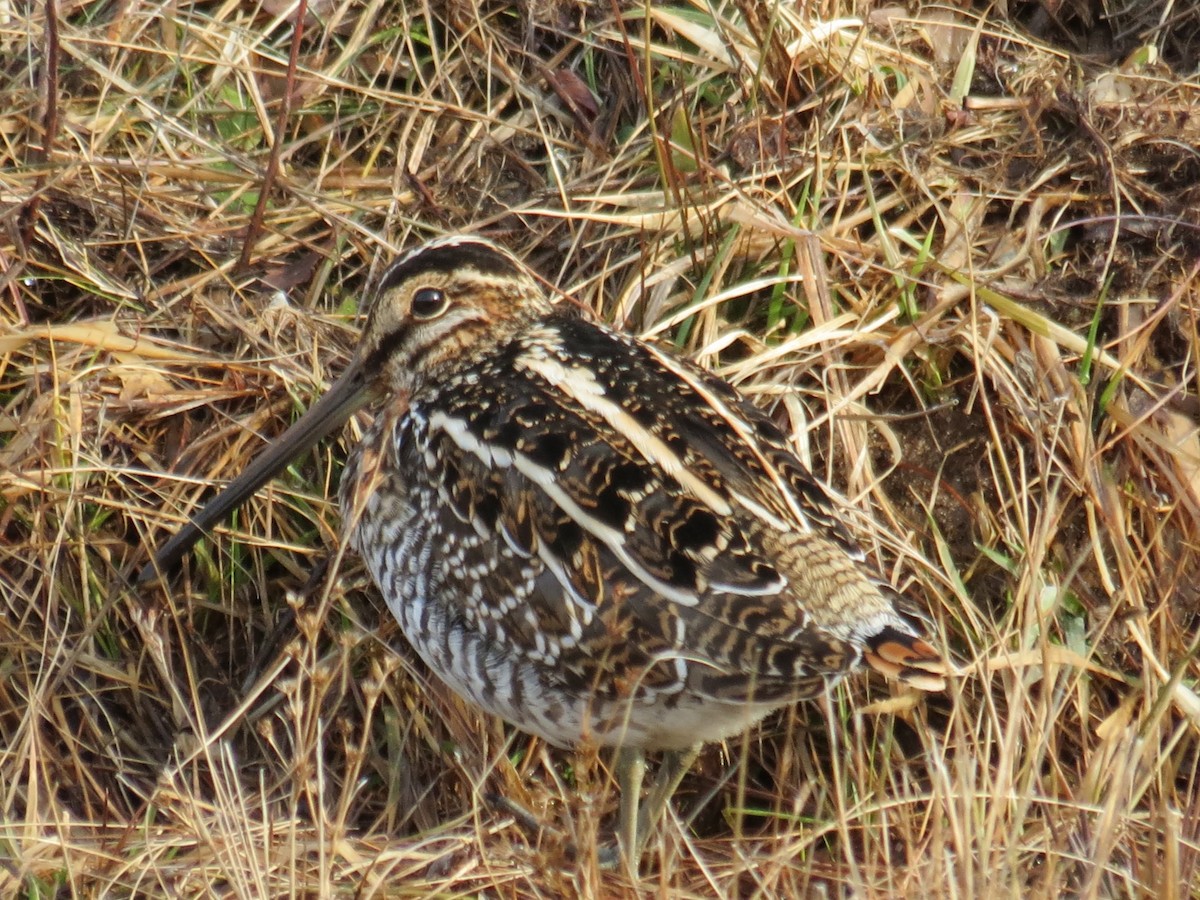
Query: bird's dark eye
[428,303]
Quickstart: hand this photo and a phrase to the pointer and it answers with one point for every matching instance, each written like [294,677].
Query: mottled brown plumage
[582,533]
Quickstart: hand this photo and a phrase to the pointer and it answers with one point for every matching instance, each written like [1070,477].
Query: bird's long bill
[348,394]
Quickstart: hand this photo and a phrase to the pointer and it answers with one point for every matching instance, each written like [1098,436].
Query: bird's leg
[631,770]
[675,764]
[634,827]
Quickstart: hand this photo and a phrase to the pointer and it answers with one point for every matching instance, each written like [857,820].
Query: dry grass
[960,265]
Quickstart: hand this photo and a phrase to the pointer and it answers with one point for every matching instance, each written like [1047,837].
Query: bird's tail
[907,658]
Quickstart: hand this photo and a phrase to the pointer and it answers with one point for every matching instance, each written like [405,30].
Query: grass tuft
[954,252]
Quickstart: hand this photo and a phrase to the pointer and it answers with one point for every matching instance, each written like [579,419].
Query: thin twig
[254,229]
[40,155]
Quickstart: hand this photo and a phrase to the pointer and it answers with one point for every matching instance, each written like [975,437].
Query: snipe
[582,533]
